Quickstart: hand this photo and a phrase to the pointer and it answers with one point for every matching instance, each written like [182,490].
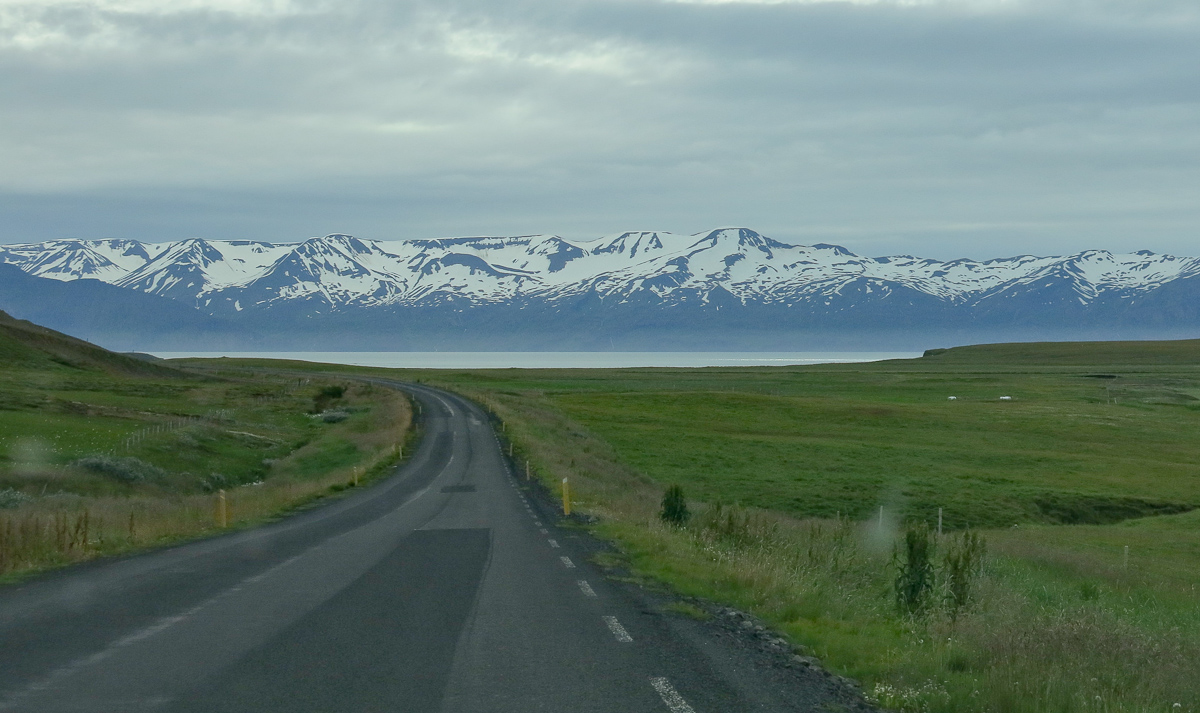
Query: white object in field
[1006,398]
[952,398]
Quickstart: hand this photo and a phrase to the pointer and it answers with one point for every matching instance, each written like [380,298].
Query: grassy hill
[133,450]
[1184,352]
[27,345]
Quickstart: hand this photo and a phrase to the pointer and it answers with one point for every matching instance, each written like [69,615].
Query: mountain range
[729,288]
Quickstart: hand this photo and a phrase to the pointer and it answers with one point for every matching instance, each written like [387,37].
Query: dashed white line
[586,588]
[544,531]
[567,562]
[670,696]
[553,543]
[617,630]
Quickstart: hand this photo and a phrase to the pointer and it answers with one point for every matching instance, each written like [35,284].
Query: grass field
[1095,452]
[1083,485]
[100,453]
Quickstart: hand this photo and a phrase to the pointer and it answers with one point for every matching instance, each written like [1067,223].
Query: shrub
[737,526]
[10,498]
[325,395]
[214,482]
[674,507]
[962,565]
[122,470]
[913,560]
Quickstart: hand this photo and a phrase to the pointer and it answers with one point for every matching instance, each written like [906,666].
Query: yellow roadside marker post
[566,497]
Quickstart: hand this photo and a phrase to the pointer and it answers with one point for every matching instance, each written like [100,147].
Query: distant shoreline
[554,360]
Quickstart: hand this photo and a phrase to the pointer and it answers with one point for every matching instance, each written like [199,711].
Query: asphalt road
[445,587]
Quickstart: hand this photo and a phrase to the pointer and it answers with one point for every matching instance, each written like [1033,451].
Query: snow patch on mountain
[723,266]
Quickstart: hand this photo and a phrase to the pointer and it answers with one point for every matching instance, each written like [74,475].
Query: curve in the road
[446,587]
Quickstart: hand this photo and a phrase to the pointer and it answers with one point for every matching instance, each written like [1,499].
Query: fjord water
[556,360]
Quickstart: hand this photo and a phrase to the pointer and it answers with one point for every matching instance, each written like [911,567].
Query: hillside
[25,344]
[1180,352]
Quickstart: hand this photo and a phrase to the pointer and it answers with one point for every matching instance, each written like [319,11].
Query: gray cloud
[944,129]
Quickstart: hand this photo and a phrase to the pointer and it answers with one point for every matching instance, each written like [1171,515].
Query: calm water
[557,360]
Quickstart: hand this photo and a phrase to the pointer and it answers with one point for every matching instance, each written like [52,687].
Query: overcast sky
[968,128]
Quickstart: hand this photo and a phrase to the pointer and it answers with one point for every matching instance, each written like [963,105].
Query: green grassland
[1084,486]
[1069,448]
[1098,451]
[132,453]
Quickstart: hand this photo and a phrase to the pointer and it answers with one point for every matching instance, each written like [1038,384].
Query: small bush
[674,507]
[122,470]
[326,395]
[962,565]
[214,482]
[913,559]
[10,498]
[737,526]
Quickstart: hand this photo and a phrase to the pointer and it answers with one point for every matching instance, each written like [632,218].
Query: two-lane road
[441,588]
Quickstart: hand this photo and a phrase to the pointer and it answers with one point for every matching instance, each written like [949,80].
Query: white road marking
[553,543]
[670,696]
[586,588]
[537,522]
[617,630]
[544,531]
[567,562]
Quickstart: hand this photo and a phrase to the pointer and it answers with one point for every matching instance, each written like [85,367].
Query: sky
[946,129]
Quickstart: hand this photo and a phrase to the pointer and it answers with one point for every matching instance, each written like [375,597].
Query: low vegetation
[1035,553]
[101,453]
[1066,573]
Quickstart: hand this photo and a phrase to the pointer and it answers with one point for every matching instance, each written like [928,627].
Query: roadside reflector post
[939,522]
[222,509]
[881,518]
[1125,560]
[510,449]
[356,477]
[527,476]
[567,500]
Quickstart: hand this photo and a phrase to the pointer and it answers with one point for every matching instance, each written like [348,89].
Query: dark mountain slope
[32,346]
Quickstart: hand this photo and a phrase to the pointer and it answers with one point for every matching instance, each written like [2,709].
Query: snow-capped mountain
[343,271]
[732,277]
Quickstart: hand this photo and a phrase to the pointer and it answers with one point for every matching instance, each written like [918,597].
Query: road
[445,587]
